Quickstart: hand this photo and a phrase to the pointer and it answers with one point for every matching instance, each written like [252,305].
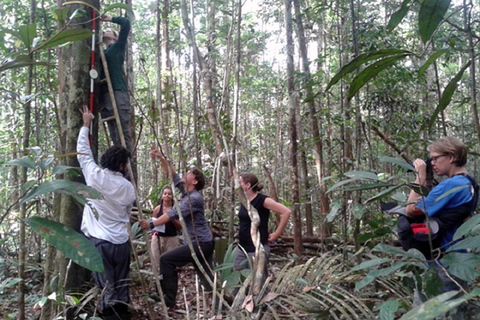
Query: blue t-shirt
[448,194]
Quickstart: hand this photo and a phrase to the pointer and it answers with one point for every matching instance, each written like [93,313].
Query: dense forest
[327,102]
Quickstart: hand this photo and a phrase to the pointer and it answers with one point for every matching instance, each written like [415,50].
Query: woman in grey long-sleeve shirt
[193,213]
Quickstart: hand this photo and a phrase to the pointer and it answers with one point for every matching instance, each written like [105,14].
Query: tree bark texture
[73,89]
[292,130]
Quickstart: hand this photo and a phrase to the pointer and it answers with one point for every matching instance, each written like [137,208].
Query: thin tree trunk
[23,208]
[195,93]
[358,132]
[131,90]
[236,97]
[471,50]
[293,105]
[207,79]
[317,141]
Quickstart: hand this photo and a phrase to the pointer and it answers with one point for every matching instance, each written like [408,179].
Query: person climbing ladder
[116,45]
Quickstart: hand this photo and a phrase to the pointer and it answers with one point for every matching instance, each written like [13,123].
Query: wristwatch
[150,221]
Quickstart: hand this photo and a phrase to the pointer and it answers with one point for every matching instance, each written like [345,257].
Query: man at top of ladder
[116,45]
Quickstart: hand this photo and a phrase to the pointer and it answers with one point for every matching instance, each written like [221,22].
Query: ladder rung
[108,119]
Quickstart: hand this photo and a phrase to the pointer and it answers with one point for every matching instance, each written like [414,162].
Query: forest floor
[186,307]
[187,297]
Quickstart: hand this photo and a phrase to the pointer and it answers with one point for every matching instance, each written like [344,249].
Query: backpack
[413,232]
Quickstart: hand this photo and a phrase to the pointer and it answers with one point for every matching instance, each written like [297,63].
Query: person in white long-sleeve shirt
[105,222]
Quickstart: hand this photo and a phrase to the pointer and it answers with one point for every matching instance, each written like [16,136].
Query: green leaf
[339,184]
[398,16]
[433,283]
[61,15]
[360,60]
[462,265]
[370,72]
[438,305]
[384,193]
[19,62]
[74,171]
[45,163]
[66,36]
[421,190]
[399,162]
[27,34]
[467,227]
[232,279]
[9,283]
[358,211]
[388,309]
[334,212]
[431,60]
[371,263]
[413,254]
[26,161]
[77,190]
[447,95]
[362,175]
[430,15]
[366,186]
[72,244]
[130,13]
[372,275]
[399,197]
[29,184]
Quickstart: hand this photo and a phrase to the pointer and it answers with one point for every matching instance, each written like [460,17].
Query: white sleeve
[85,156]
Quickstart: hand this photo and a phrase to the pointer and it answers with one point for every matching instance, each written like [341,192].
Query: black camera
[430,181]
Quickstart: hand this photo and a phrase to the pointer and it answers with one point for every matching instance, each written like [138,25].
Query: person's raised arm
[414,197]
[166,165]
[284,213]
[83,144]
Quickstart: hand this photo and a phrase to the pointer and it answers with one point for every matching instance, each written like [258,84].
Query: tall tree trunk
[236,98]
[467,10]
[195,94]
[166,81]
[23,209]
[131,90]
[293,105]
[207,79]
[73,85]
[358,132]
[303,177]
[317,141]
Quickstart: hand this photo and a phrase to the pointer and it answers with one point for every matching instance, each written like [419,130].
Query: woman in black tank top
[250,184]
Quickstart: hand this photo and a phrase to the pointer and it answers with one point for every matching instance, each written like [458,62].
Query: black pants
[123,105]
[179,257]
[115,280]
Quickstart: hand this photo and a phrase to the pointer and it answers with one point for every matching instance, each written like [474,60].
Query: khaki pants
[161,245]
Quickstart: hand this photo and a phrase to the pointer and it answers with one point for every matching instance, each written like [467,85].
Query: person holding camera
[451,202]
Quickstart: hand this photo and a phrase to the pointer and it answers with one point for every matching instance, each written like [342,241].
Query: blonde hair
[451,146]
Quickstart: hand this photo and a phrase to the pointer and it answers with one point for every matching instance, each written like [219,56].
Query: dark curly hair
[114,157]
[200,177]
